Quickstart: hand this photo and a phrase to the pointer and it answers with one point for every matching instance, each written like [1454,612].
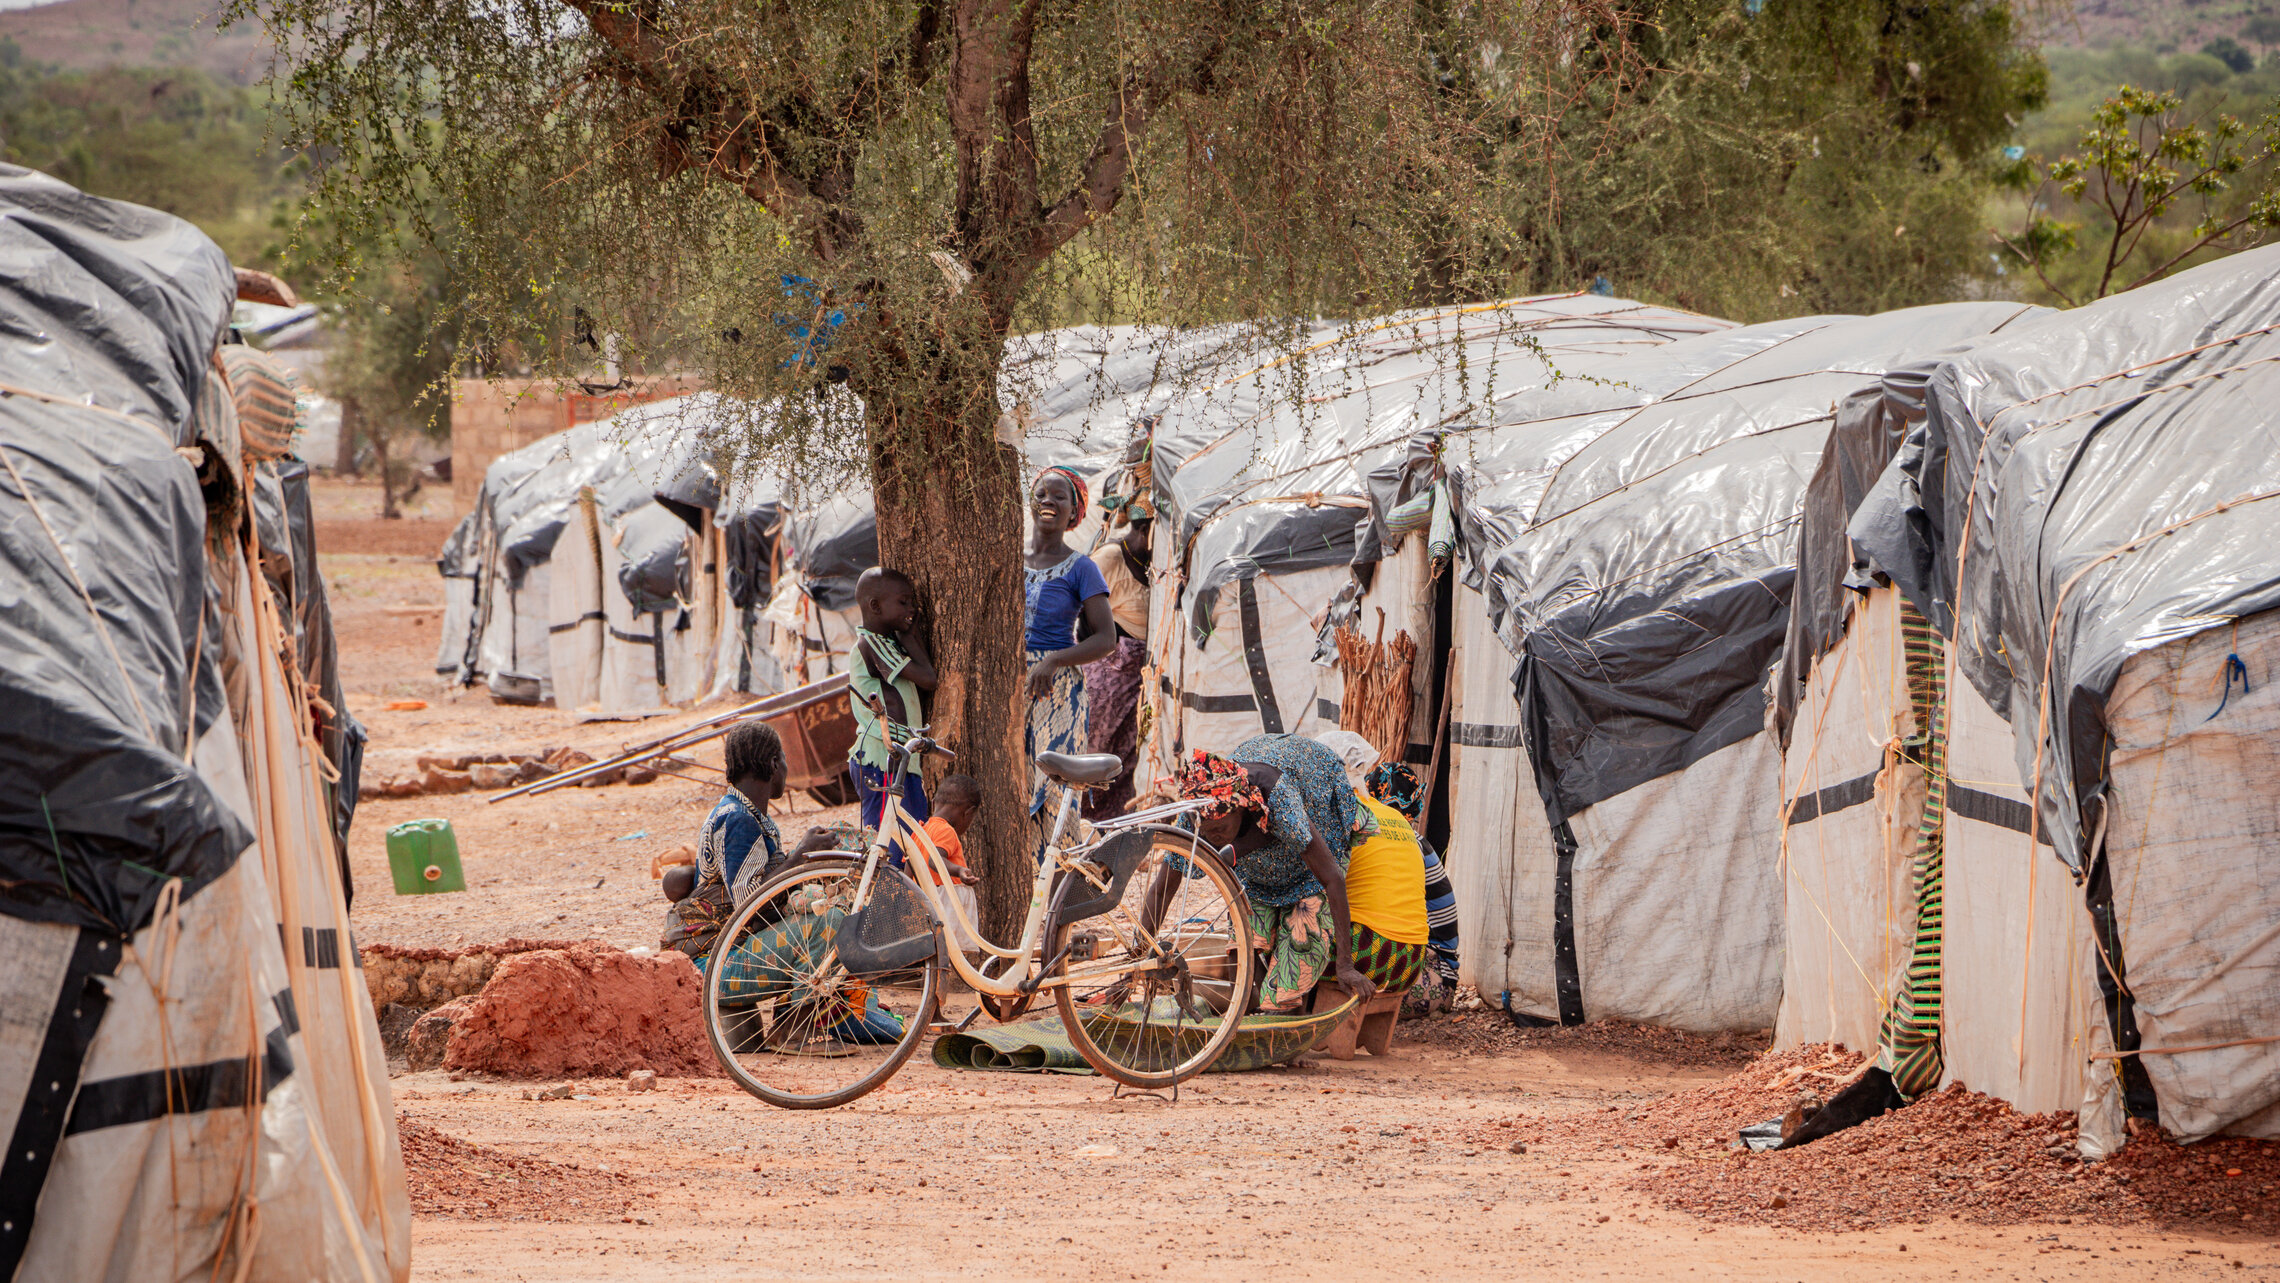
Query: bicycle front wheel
[1157,1007]
[790,1020]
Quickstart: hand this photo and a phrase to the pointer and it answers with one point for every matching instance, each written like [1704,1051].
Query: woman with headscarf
[1063,588]
[1282,805]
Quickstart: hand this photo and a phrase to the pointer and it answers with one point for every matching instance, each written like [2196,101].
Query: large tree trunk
[948,496]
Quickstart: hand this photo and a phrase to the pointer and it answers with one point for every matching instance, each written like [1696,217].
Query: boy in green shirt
[890,664]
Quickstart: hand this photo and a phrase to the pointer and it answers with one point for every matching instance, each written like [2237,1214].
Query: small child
[956,799]
[889,663]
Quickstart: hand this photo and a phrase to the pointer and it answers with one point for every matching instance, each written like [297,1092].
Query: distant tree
[2159,187]
[2264,29]
[174,139]
[2228,51]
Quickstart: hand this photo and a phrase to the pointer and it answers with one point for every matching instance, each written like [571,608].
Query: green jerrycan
[423,855]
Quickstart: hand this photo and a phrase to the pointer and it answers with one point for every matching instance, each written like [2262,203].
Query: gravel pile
[448,1176]
[1952,1155]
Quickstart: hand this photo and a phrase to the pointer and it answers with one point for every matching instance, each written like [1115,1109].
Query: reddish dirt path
[1327,1171]
[1331,1170]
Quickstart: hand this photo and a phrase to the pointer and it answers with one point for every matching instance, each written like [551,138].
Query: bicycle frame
[895,824]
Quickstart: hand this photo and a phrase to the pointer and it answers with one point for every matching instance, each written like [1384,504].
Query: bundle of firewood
[1376,704]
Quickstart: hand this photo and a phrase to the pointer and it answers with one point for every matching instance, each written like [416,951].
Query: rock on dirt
[430,1036]
[399,774]
[588,1011]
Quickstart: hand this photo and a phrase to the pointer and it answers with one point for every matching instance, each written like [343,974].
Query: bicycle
[822,986]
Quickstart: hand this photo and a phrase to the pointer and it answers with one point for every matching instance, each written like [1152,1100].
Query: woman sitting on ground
[1282,805]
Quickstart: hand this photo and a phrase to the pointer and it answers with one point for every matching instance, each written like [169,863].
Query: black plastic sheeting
[1646,586]
[110,665]
[750,518]
[2123,456]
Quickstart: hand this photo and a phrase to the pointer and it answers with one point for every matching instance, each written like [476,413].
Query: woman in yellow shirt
[1385,898]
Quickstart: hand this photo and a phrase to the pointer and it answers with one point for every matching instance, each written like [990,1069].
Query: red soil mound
[1952,1155]
[588,1011]
[448,1176]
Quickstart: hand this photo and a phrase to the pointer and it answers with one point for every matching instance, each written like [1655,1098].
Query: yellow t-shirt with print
[1385,878]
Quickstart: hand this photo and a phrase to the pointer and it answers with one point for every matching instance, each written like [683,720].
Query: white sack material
[513,650]
[1500,853]
[458,625]
[630,644]
[1216,705]
[576,624]
[1678,900]
[1854,808]
[2195,849]
[690,645]
[2015,928]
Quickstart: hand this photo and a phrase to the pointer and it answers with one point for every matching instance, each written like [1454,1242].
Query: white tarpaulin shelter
[1634,542]
[2087,512]
[1262,480]
[191,1081]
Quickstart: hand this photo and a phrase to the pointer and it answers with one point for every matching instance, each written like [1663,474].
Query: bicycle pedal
[1084,946]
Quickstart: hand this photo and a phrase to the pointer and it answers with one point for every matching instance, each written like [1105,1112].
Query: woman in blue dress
[1063,587]
[1282,806]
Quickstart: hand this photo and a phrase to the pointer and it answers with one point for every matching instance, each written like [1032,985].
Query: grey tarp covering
[2069,449]
[1870,426]
[1644,581]
[106,668]
[1267,471]
[751,516]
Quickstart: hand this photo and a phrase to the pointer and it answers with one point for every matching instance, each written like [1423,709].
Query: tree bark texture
[955,528]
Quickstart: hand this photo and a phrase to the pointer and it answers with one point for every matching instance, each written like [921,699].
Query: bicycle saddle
[1085,770]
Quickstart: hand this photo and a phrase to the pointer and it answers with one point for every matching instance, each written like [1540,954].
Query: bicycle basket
[894,932]
[1117,858]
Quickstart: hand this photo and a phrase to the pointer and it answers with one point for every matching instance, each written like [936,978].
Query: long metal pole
[711,728]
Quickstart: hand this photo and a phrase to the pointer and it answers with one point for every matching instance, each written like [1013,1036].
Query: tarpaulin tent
[1882,770]
[190,1075]
[1262,480]
[632,617]
[2088,513]
[1635,547]
[508,624]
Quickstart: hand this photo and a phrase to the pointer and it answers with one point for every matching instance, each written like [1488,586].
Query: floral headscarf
[1229,786]
[1077,488]
[1394,784]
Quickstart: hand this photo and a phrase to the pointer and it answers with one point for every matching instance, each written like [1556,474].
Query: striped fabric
[1440,913]
[1909,1043]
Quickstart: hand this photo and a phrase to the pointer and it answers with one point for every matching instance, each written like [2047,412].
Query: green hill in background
[87,35]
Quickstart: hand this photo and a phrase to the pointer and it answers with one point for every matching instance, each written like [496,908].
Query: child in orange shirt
[955,800]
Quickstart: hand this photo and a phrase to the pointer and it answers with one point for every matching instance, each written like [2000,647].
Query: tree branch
[1100,184]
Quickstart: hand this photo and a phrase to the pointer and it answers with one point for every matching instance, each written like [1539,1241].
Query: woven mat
[1043,1046]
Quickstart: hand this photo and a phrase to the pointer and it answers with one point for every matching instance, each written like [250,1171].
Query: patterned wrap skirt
[1056,725]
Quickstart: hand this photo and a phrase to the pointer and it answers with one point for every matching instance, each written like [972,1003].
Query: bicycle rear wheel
[1167,1017]
[789,1019]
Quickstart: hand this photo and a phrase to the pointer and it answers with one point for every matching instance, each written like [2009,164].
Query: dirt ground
[1403,1168]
